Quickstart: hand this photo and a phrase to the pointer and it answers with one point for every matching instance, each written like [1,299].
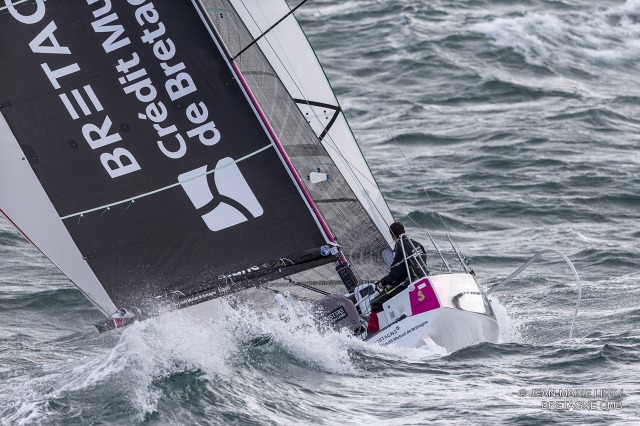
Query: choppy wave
[245,360]
[521,119]
[567,38]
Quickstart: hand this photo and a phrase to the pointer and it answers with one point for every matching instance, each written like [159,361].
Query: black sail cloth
[149,149]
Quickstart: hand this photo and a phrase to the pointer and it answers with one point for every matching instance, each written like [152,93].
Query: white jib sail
[25,203]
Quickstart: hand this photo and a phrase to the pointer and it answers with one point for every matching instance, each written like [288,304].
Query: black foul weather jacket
[398,272]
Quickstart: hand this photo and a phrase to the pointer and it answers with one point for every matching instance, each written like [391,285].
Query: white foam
[146,351]
[630,9]
[564,39]
[210,344]
[508,330]
[326,350]
[28,413]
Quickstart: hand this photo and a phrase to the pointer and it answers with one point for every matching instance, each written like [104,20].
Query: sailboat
[171,154]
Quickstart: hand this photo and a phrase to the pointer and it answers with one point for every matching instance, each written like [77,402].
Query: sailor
[398,277]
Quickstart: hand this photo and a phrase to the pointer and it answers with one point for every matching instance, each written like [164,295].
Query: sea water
[521,120]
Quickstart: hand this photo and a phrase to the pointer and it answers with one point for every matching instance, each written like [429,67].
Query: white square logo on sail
[236,203]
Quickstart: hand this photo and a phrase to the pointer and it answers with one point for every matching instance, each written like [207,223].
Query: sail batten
[156,191]
[265,32]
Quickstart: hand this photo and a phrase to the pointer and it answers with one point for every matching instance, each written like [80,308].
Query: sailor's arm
[395,273]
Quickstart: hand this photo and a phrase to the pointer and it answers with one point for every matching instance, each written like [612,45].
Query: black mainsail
[154,168]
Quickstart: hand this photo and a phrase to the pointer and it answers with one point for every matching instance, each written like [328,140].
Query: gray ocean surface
[522,120]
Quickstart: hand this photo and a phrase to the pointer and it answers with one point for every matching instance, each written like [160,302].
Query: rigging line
[295,296]
[324,20]
[131,199]
[18,2]
[308,287]
[533,259]
[268,29]
[327,136]
[441,248]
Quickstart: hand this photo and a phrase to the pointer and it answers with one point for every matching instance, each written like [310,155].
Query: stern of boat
[449,309]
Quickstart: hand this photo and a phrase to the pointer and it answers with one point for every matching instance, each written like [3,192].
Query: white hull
[454,329]
[449,310]
[451,329]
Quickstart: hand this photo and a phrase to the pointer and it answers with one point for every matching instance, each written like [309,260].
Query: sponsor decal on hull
[394,335]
